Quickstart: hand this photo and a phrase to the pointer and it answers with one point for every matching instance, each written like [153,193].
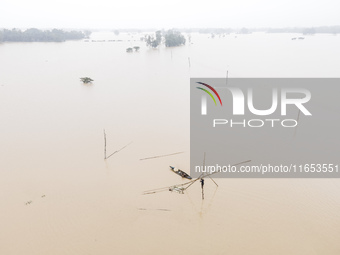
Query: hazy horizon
[153,29]
[102,14]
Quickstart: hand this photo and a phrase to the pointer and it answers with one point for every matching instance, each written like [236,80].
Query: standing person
[202,183]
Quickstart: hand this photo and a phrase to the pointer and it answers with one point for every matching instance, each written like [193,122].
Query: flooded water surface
[58,194]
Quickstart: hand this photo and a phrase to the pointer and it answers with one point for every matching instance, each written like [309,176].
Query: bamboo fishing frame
[105,156]
[186,183]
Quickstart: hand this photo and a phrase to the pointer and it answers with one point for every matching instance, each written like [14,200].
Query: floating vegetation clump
[86,80]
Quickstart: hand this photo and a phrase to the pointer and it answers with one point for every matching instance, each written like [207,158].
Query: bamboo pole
[202,180]
[159,156]
[213,180]
[119,150]
[297,122]
[104,144]
[208,176]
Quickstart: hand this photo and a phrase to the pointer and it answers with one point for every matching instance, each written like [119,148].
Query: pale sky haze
[168,14]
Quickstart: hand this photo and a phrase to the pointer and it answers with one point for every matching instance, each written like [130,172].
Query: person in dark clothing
[202,183]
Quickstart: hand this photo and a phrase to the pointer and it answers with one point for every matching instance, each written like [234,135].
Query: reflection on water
[51,147]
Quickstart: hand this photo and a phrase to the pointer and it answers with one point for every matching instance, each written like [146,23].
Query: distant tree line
[214,30]
[171,38]
[302,30]
[36,35]
[307,30]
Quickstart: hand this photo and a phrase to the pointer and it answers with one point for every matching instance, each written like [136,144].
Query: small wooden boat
[180,172]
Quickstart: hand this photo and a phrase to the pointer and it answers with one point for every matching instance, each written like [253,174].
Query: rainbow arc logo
[204,100]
